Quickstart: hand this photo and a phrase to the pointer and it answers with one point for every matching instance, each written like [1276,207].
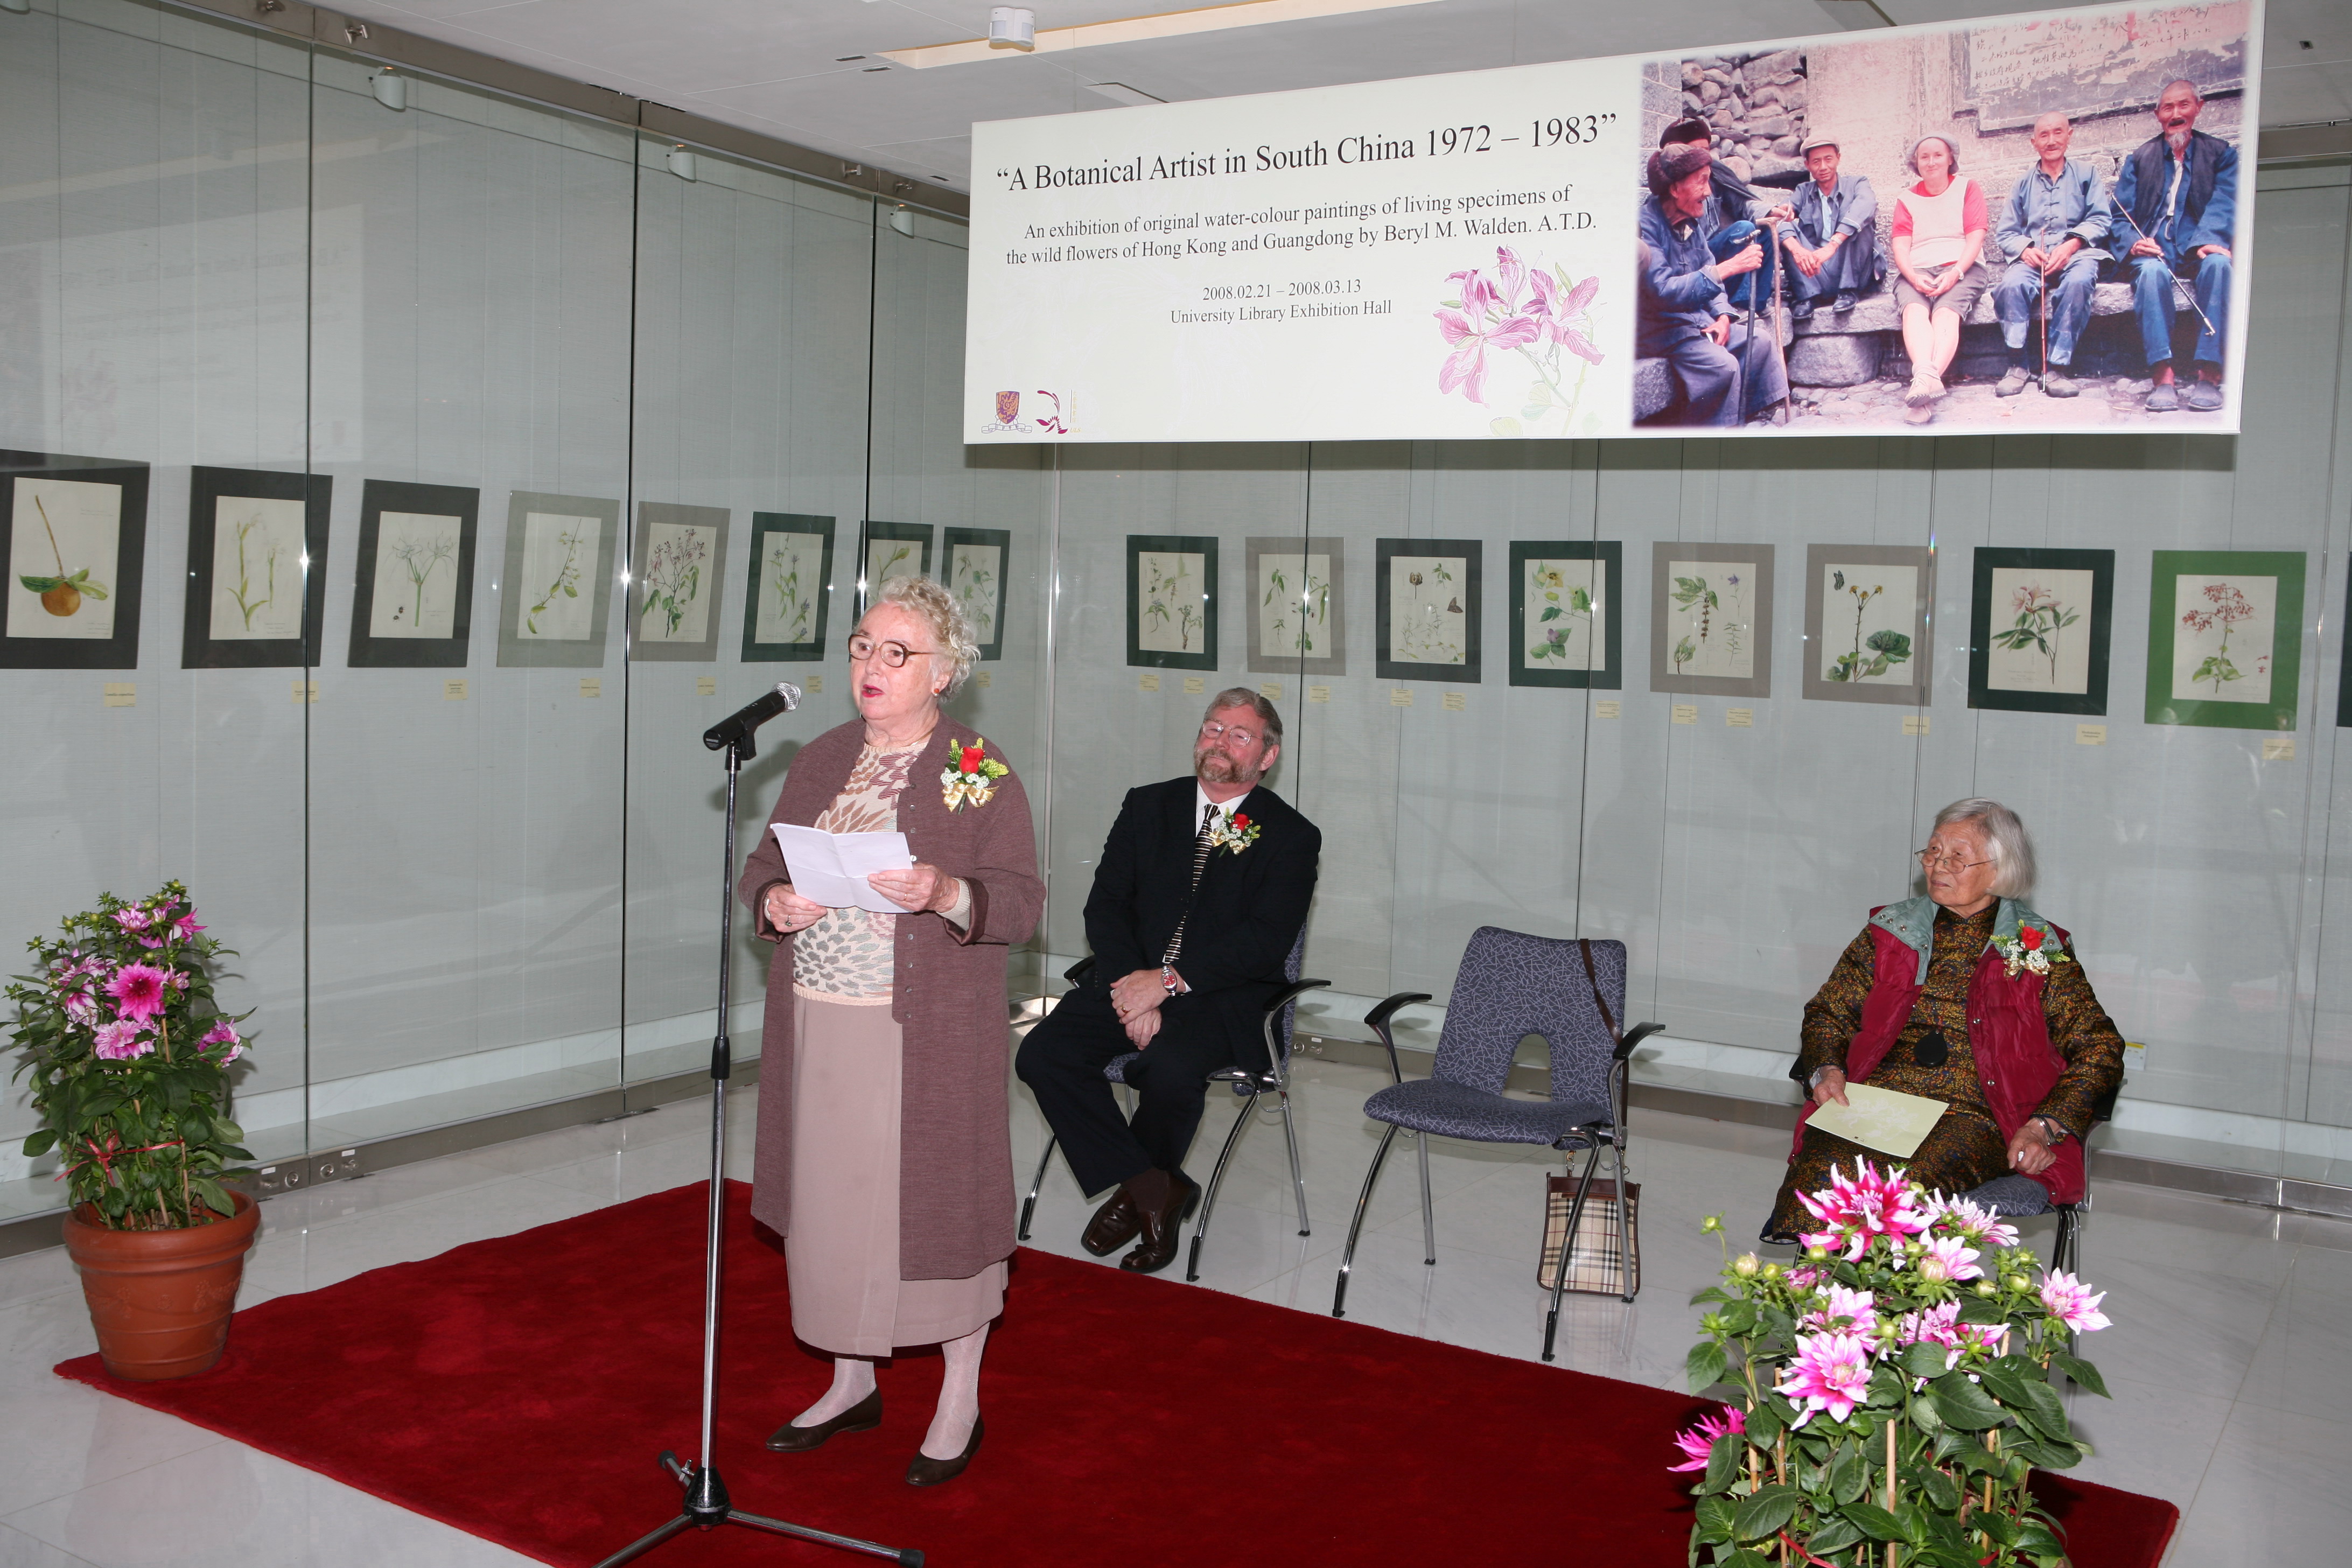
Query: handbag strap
[1592,977]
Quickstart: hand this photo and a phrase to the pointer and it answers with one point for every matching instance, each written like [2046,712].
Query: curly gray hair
[938,608]
[2006,841]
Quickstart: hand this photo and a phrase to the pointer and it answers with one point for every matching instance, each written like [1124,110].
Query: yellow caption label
[1915,723]
[1609,710]
[1148,682]
[1319,694]
[706,686]
[1455,702]
[305,691]
[816,682]
[1270,689]
[453,691]
[591,686]
[1685,712]
[2090,735]
[1400,697]
[982,678]
[1739,718]
[119,694]
[2278,749]
[1194,685]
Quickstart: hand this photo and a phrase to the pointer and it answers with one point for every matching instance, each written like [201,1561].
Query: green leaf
[1763,1425]
[39,1143]
[1923,1360]
[1723,1463]
[2035,1536]
[1704,1366]
[2084,1373]
[1941,1490]
[1552,613]
[1896,645]
[1833,1535]
[1849,1473]
[1963,1405]
[41,584]
[1764,1512]
[1580,600]
[1874,1520]
[2047,1411]
[2045,1455]
[1745,1559]
[1713,1519]
[2006,1382]
[92,591]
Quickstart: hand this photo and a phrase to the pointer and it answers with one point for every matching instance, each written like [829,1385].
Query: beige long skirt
[843,1250]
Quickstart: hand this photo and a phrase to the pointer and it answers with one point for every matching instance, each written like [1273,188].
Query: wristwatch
[1168,979]
[1815,1082]
[2050,1131]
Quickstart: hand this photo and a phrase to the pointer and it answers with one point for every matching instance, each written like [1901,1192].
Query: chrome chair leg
[1567,1246]
[1297,1177]
[1363,1202]
[1029,1205]
[1216,1180]
[1428,1212]
[1626,1238]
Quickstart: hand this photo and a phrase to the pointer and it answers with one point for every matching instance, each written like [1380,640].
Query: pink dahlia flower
[1853,1210]
[2072,1302]
[1854,1312]
[1830,1371]
[132,919]
[1936,1326]
[186,926]
[80,1007]
[1699,1440]
[138,989]
[122,1040]
[223,1034]
[1955,1256]
[1963,1217]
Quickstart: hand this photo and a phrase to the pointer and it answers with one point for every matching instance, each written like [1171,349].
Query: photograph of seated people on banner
[2024,224]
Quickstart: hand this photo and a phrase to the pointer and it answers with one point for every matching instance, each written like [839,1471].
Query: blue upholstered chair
[2022,1197]
[1511,985]
[1248,1087]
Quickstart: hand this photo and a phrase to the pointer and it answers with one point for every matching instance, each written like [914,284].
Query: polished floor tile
[2231,1361]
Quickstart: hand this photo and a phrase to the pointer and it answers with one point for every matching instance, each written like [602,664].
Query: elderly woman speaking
[1968,996]
[885,1158]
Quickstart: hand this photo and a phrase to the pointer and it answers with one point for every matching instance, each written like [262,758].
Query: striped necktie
[1201,847]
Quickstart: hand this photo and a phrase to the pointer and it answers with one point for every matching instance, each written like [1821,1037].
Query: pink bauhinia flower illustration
[2072,1303]
[1854,1210]
[1696,1442]
[1472,330]
[1830,1371]
[122,1040]
[1554,309]
[138,989]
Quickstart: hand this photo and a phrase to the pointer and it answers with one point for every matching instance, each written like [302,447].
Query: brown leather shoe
[925,1471]
[1114,1225]
[1164,1203]
[863,1416]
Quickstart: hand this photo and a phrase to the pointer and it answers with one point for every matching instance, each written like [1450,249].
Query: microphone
[736,728]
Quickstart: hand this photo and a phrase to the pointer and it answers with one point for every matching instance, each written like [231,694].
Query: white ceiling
[775,66]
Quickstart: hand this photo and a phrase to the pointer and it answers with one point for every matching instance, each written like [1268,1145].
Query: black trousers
[1062,1062]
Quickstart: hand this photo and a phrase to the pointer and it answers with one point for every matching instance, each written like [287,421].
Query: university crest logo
[1008,407]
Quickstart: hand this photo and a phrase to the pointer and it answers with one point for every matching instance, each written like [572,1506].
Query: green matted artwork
[1567,617]
[789,588]
[1171,601]
[2040,627]
[973,571]
[890,550]
[1427,609]
[2225,637]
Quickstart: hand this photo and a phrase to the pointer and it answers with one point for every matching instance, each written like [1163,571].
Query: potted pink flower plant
[128,1055]
[1895,1389]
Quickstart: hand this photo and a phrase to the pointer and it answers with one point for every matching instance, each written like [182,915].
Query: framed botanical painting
[74,533]
[556,606]
[675,583]
[892,550]
[1171,601]
[1711,619]
[1297,612]
[976,559]
[2040,627]
[1567,626]
[788,591]
[1868,609]
[256,569]
[413,593]
[2225,637]
[1427,593]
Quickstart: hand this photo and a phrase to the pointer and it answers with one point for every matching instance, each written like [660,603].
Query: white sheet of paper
[830,869]
[1881,1119]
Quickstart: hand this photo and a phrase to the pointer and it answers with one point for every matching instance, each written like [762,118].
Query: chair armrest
[1379,1019]
[1077,973]
[1640,1032]
[1292,993]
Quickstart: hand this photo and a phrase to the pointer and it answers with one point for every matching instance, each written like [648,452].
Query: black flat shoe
[863,1416]
[925,1471]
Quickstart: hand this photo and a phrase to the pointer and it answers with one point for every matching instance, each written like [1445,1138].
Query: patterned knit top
[849,955]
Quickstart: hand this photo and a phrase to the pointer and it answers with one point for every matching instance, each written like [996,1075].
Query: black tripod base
[706,1506]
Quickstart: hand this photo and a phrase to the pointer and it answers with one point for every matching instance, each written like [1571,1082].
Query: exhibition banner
[2039,223]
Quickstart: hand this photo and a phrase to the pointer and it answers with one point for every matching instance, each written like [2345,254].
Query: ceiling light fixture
[1011,27]
[681,163]
[25,7]
[1141,29]
[390,90]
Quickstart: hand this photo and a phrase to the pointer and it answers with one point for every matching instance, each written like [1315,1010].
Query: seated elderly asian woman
[1968,995]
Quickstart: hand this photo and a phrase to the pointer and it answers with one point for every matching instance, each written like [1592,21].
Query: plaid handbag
[1601,1262]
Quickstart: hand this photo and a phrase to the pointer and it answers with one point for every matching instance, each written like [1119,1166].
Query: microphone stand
[706,1505]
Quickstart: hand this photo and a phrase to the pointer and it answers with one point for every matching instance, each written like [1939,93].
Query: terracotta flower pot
[161,1300]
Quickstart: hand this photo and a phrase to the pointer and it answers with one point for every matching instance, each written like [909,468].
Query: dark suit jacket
[1246,914]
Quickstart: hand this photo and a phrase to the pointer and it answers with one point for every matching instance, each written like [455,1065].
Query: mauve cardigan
[955,1168]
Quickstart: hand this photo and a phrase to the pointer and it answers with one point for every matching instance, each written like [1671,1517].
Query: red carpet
[520,1389]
